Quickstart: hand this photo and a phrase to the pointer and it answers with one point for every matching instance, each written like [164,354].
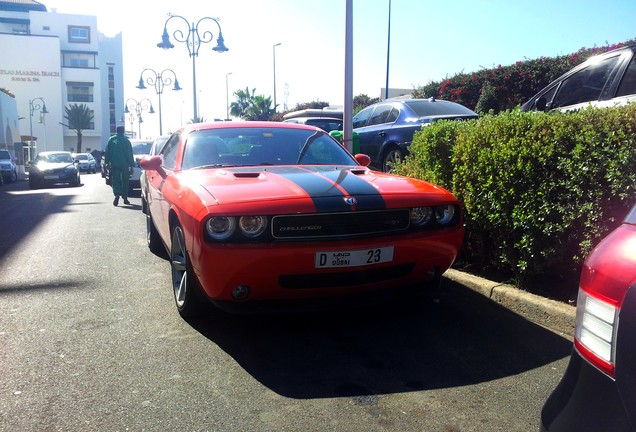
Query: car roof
[246,124]
[315,112]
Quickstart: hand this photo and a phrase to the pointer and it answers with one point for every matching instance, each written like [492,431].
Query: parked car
[140,149]
[605,80]
[8,167]
[86,162]
[386,128]
[327,124]
[326,119]
[157,145]
[53,167]
[252,213]
[597,391]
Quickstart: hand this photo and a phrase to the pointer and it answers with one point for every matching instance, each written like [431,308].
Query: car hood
[326,188]
[50,166]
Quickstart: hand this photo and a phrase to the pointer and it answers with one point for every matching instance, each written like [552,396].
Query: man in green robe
[119,157]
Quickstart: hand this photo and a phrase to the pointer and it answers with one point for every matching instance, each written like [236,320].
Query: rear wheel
[186,291]
[391,156]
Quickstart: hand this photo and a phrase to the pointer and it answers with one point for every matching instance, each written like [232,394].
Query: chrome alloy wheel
[179,264]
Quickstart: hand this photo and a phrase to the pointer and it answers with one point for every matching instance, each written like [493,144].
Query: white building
[51,61]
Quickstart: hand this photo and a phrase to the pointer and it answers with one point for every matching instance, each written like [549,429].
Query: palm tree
[243,102]
[197,120]
[79,117]
[260,108]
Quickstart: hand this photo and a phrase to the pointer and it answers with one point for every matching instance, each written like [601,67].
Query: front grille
[345,278]
[340,224]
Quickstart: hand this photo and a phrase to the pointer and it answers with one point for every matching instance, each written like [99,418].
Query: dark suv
[605,80]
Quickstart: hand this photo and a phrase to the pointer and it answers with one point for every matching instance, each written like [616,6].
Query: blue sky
[430,40]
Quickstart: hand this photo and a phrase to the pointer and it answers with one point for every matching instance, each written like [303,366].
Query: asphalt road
[90,341]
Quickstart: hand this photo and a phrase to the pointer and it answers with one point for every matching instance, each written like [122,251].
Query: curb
[551,314]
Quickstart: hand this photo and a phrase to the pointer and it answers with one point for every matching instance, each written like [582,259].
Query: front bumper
[287,270]
[53,177]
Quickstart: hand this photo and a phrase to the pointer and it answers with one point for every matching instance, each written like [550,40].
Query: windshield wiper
[213,166]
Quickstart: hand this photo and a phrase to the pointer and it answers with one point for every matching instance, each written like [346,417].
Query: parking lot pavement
[551,314]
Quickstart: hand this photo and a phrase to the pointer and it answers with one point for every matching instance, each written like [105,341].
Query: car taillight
[595,336]
[607,274]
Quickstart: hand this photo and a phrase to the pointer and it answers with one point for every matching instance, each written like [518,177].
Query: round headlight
[253,226]
[220,227]
[421,215]
[444,214]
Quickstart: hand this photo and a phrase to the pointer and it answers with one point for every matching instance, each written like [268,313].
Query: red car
[251,212]
[597,392]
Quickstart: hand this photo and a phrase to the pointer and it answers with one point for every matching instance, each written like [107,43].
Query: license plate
[51,177]
[353,258]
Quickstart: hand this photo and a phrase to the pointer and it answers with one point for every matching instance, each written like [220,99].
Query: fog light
[240,292]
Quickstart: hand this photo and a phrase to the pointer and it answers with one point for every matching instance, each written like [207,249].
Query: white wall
[32,76]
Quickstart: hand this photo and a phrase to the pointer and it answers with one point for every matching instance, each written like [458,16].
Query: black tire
[33,184]
[152,238]
[14,177]
[187,294]
[391,155]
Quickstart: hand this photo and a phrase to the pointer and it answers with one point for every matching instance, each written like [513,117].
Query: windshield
[141,148]
[262,146]
[56,157]
[81,157]
[4,154]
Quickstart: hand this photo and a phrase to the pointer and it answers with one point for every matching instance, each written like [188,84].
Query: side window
[380,115]
[393,115]
[585,85]
[169,151]
[628,83]
[361,118]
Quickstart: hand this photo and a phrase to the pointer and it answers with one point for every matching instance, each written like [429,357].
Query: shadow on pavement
[461,340]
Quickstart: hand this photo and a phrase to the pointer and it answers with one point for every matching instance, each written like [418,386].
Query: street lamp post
[274,54]
[133,106]
[34,105]
[227,97]
[193,40]
[388,50]
[158,81]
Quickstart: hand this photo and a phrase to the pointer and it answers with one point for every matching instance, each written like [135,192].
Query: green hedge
[540,190]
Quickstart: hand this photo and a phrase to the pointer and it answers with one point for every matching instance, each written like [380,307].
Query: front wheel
[187,295]
[392,156]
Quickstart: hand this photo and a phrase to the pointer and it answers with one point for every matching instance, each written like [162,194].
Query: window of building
[79,91]
[79,34]
[82,60]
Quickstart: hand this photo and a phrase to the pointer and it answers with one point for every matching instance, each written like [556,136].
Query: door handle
[382,134]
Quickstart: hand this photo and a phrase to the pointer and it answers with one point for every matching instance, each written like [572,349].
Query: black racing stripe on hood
[324,186]
[325,195]
[367,197]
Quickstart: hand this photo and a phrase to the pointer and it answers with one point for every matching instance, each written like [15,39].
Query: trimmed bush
[539,189]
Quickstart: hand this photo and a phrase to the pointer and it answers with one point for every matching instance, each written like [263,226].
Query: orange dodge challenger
[255,212]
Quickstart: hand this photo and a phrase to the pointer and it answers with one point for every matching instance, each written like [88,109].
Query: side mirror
[152,163]
[363,159]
